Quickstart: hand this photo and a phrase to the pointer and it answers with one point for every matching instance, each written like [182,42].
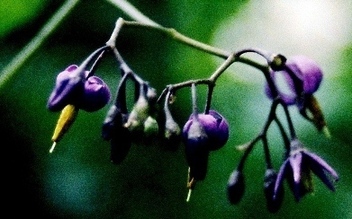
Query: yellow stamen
[67,117]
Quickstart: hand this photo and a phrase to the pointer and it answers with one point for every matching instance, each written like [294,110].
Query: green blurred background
[78,180]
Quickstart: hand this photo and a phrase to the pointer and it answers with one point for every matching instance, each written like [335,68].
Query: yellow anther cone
[67,117]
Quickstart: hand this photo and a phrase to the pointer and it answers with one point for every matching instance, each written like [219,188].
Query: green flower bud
[151,127]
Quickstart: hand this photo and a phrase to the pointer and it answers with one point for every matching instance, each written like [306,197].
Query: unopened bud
[235,187]
[273,205]
[151,127]
[138,115]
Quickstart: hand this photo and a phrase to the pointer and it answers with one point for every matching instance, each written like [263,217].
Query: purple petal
[318,160]
[320,167]
[280,178]
[296,162]
[317,170]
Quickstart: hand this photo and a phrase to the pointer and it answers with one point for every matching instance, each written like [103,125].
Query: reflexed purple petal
[64,92]
[316,159]
[296,162]
[280,178]
[219,134]
[196,148]
[317,170]
[67,87]
[320,168]
[96,94]
[305,69]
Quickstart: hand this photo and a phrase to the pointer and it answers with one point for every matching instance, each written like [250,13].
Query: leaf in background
[16,13]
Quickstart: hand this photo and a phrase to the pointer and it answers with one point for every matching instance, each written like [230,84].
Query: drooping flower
[196,149]
[298,169]
[302,76]
[73,87]
[215,126]
[96,94]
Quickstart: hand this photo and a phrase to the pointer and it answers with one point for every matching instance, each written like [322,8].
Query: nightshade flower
[196,148]
[96,94]
[302,76]
[89,94]
[68,87]
[203,133]
[215,126]
[297,170]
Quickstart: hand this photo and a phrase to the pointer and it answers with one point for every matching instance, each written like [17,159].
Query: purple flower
[72,87]
[196,148]
[215,126]
[302,76]
[201,134]
[68,88]
[297,170]
[96,94]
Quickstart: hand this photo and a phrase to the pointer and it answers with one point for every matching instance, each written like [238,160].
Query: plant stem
[36,42]
[133,12]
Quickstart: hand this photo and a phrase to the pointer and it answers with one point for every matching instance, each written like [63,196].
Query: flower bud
[216,128]
[172,129]
[235,187]
[306,72]
[119,136]
[196,148]
[114,114]
[272,204]
[138,115]
[151,127]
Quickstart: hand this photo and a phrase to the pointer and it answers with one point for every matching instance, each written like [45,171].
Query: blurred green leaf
[16,13]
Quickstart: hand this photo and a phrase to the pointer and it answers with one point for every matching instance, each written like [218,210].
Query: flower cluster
[289,82]
[301,77]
